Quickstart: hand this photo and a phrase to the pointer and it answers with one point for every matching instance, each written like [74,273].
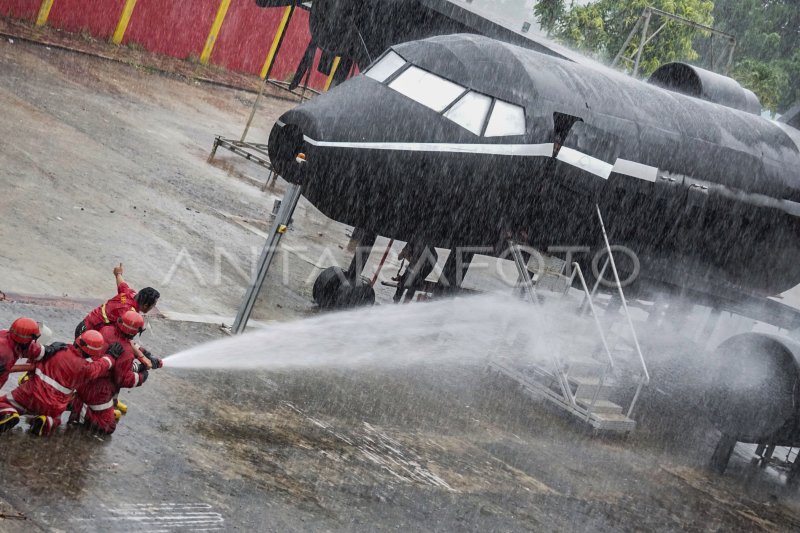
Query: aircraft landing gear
[722,453]
[335,288]
[453,272]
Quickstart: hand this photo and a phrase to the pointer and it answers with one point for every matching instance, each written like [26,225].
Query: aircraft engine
[755,390]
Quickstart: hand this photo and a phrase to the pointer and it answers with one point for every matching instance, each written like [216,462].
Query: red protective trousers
[53,384]
[96,416]
[23,400]
[93,405]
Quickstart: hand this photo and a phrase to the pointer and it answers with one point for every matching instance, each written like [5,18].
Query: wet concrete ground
[419,449]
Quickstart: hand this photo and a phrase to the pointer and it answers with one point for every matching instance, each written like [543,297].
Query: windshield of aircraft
[428,89]
[469,109]
[386,66]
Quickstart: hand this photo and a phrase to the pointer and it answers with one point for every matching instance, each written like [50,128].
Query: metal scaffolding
[644,23]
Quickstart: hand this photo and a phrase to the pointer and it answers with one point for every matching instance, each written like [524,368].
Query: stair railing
[645,374]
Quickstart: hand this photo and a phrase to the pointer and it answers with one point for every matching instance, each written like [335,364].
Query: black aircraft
[455,139]
[459,140]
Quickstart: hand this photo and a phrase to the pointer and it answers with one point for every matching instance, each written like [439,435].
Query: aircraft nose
[286,150]
[287,145]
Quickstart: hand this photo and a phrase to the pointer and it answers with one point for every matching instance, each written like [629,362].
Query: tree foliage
[601,27]
[767,58]
[767,79]
[549,13]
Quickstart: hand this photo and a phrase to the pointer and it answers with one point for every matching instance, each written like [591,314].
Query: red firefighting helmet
[90,342]
[130,323]
[24,330]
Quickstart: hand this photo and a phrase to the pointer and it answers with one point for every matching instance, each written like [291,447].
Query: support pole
[711,324]
[711,46]
[279,227]
[253,111]
[730,56]
[627,42]
[211,40]
[655,33]
[44,12]
[454,271]
[642,41]
[380,265]
[277,41]
[328,81]
[305,85]
[268,63]
[360,258]
[124,20]
[613,264]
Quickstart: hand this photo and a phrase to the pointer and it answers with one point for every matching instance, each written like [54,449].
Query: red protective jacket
[99,392]
[98,395]
[109,312]
[10,352]
[55,380]
[124,376]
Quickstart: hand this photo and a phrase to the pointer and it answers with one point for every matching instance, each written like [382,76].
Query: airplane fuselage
[706,195]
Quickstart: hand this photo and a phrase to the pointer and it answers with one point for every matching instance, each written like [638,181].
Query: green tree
[601,27]
[768,80]
[549,13]
[767,59]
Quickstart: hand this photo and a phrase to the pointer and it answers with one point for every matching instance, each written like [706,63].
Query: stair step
[586,368]
[588,387]
[612,422]
[589,381]
[600,406]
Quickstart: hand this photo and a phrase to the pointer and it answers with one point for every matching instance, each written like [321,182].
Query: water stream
[464,330]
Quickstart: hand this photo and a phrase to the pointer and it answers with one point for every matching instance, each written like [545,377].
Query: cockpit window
[428,89]
[470,111]
[506,119]
[386,66]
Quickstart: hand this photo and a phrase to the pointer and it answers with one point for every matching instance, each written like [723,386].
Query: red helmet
[90,342]
[24,330]
[130,323]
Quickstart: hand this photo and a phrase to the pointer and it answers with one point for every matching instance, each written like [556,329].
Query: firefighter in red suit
[126,300]
[55,377]
[93,405]
[18,342]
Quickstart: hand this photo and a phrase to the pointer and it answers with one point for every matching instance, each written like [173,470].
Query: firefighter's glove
[155,362]
[114,350]
[143,376]
[51,349]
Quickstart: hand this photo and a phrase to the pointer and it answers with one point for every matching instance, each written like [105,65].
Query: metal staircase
[583,385]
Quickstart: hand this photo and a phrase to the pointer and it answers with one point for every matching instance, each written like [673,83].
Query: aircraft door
[584,158]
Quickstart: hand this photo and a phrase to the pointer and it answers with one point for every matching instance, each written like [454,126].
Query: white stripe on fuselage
[598,167]
[567,155]
[636,170]
[535,150]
